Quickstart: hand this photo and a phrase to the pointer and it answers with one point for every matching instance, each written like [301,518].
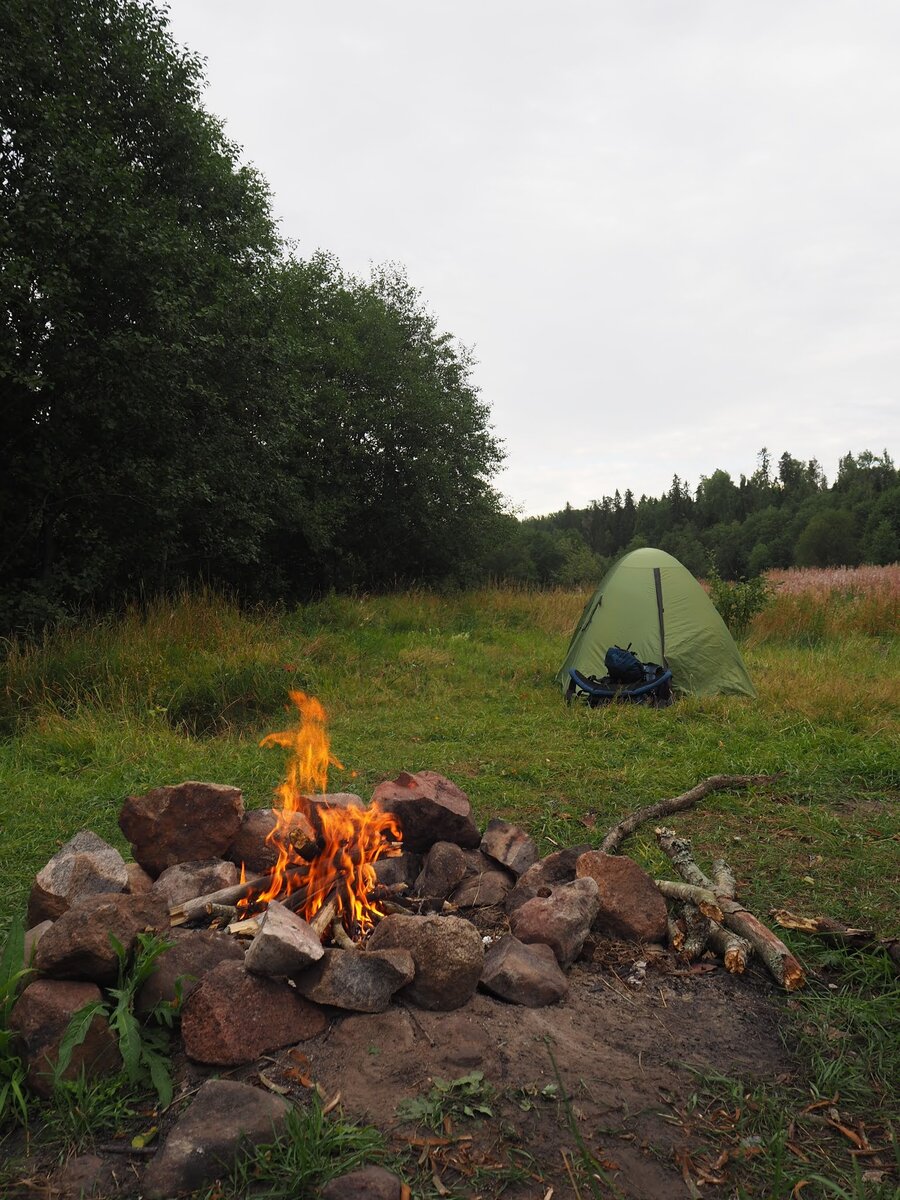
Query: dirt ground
[623,1053]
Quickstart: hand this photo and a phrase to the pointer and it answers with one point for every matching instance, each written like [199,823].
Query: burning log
[326,914]
[774,953]
[195,910]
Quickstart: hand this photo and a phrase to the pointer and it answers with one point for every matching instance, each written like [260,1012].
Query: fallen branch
[698,929]
[838,934]
[664,808]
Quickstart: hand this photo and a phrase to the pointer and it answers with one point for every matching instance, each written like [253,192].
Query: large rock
[554,869]
[85,866]
[39,1023]
[429,808]
[183,823]
[631,905]
[367,1183]
[180,969]
[509,845]
[233,1017]
[528,975]
[444,867]
[250,845]
[188,880]
[358,980]
[447,952]
[398,868]
[485,883]
[284,945]
[561,920]
[79,946]
[224,1118]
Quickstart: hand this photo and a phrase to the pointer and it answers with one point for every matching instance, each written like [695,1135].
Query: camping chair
[655,688]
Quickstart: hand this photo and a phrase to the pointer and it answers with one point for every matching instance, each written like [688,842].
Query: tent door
[657,579]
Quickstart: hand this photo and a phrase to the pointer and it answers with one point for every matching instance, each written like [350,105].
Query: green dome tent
[650,600]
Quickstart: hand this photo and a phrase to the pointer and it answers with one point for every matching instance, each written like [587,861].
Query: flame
[350,840]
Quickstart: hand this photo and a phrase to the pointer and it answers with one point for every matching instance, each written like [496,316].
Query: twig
[664,808]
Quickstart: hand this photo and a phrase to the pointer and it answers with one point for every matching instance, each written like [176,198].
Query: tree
[133,352]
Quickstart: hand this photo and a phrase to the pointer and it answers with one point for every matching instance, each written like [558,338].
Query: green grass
[463,684]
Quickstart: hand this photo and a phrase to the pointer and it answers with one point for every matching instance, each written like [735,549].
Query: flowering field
[809,604]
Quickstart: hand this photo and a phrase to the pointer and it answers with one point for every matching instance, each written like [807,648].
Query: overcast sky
[670,231]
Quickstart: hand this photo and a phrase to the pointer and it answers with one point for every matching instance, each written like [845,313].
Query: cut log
[703,898]
[664,808]
[770,948]
[733,949]
[697,931]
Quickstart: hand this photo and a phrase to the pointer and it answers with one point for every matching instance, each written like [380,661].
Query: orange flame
[351,840]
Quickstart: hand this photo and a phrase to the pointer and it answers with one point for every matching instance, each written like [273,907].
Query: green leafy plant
[738,602]
[467,1096]
[143,1047]
[13,1098]
[311,1149]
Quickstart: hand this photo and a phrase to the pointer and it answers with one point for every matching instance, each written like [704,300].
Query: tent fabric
[698,647]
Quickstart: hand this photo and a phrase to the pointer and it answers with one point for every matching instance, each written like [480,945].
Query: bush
[738,602]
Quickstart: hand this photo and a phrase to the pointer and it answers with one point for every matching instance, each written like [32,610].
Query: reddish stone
[78,945]
[39,1023]
[181,968]
[447,952]
[139,881]
[234,1017]
[523,974]
[550,871]
[250,847]
[561,920]
[631,905]
[509,845]
[183,823]
[429,808]
[85,866]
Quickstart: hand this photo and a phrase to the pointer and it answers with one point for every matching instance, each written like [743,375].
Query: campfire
[325,852]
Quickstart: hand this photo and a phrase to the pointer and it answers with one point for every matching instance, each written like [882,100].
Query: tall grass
[812,605]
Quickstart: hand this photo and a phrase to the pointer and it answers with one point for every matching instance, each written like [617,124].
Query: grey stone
[188,880]
[224,1118]
[358,980]
[556,868]
[284,945]
[85,866]
[444,867]
[447,952]
[367,1183]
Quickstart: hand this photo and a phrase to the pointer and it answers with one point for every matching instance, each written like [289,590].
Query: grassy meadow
[463,684]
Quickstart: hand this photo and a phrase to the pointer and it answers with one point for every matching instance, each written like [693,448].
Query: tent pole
[657,579]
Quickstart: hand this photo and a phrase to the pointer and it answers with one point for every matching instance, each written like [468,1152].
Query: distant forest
[783,515]
[184,399]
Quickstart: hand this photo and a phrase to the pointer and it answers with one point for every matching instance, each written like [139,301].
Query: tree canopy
[184,399]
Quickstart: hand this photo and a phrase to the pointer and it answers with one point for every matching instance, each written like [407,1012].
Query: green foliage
[83,1109]
[312,1149]
[142,1047]
[738,603]
[468,1096]
[13,1097]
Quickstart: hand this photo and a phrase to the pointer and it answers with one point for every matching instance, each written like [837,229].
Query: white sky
[670,231]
